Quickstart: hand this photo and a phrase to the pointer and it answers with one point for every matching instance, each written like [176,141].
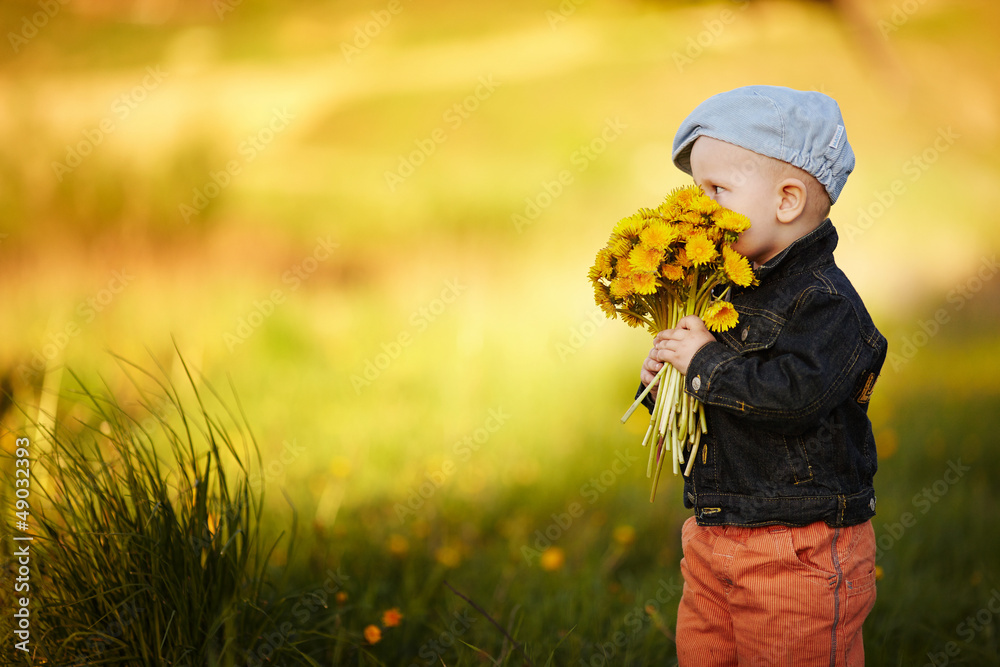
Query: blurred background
[375,220]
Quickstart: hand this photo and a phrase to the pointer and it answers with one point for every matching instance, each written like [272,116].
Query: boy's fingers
[691,322]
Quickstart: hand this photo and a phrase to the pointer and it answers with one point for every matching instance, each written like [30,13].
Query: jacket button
[745,333]
[696,383]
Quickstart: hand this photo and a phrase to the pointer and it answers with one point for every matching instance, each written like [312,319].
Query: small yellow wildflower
[619,247]
[731,221]
[632,320]
[398,545]
[645,259]
[644,283]
[448,556]
[672,272]
[700,250]
[621,287]
[657,235]
[721,316]
[373,635]
[391,617]
[341,597]
[629,227]
[553,559]
[624,534]
[737,267]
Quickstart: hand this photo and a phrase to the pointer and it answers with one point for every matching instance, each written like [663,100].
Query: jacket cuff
[648,402]
[703,367]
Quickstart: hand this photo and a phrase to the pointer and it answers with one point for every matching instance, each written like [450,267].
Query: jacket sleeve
[812,365]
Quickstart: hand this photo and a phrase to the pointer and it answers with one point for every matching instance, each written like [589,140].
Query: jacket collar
[803,253]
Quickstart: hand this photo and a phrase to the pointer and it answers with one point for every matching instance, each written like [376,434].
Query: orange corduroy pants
[775,595]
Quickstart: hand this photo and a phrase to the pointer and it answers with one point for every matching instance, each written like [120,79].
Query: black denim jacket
[786,398]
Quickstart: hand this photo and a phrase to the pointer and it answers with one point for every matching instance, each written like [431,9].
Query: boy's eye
[718,188]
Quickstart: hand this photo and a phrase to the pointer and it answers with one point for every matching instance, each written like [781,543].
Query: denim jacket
[786,398]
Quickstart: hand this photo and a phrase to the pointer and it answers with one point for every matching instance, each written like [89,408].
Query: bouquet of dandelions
[660,265]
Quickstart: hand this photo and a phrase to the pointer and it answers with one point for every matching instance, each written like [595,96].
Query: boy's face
[740,180]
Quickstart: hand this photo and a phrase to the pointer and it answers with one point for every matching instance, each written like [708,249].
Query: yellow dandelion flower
[693,218]
[340,466]
[669,209]
[602,297]
[341,597]
[645,259]
[657,235]
[372,634]
[705,205]
[687,196]
[619,247]
[644,283]
[700,249]
[682,260]
[731,221]
[629,227]
[720,316]
[621,287]
[632,320]
[398,545]
[686,230]
[879,572]
[603,262]
[448,556]
[391,617]
[671,272]
[624,534]
[553,559]
[737,267]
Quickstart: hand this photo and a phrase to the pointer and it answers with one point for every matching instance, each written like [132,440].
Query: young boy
[779,557]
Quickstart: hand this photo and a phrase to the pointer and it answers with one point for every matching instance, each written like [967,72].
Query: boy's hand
[676,346]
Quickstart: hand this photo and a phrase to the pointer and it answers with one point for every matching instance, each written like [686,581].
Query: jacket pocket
[756,330]
[797,459]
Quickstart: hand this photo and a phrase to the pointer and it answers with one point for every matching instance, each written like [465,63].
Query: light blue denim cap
[802,128]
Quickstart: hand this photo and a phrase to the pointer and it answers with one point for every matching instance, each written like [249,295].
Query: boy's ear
[791,199]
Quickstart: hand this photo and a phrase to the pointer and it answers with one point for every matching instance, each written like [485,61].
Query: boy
[779,557]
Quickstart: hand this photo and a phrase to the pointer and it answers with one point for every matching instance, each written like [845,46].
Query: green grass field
[380,242]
